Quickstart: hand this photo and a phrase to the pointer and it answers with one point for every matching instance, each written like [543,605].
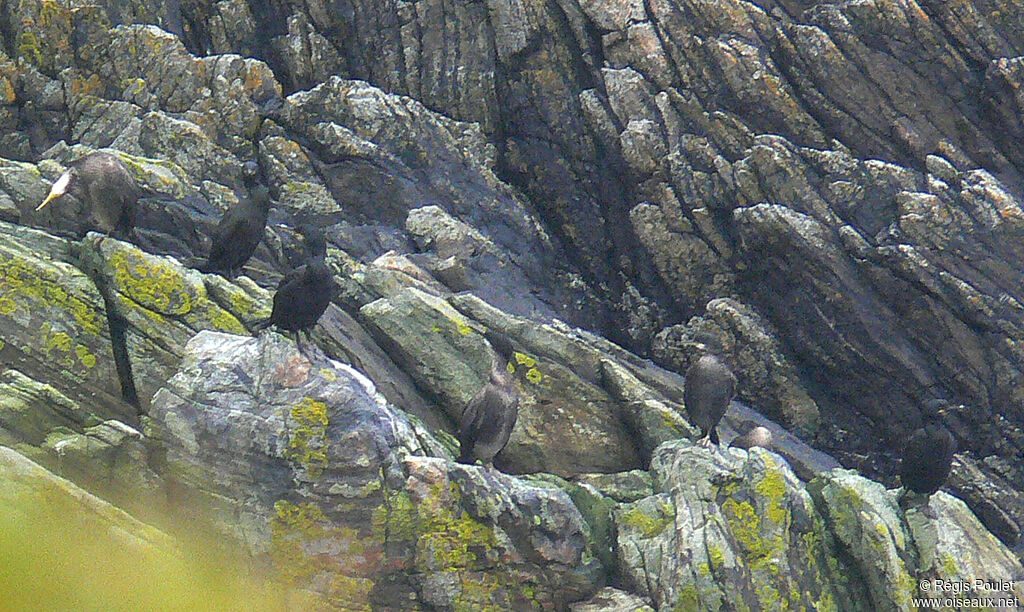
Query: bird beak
[53,196]
[59,188]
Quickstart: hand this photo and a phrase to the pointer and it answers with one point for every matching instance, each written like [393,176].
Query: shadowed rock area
[833,189]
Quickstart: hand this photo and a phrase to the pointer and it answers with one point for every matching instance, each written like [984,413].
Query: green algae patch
[292,526]
[773,488]
[716,556]
[445,536]
[29,286]
[84,356]
[760,550]
[687,600]
[435,535]
[949,565]
[307,444]
[153,284]
[350,593]
[396,519]
[448,537]
[525,360]
[223,320]
[299,531]
[648,525]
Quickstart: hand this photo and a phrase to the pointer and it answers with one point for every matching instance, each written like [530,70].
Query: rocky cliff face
[833,188]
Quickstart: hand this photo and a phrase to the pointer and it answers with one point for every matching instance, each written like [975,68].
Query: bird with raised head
[488,420]
[241,228]
[708,389]
[927,457]
[304,293]
[102,184]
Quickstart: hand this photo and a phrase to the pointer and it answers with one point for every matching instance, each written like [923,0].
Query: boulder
[301,460]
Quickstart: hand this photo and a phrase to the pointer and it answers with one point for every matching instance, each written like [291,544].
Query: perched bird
[710,386]
[927,456]
[757,436]
[104,186]
[490,416]
[304,293]
[241,228]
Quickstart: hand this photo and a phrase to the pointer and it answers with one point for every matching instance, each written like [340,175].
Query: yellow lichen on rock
[307,445]
[153,284]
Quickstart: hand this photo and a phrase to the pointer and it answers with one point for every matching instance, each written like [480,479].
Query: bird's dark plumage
[928,454]
[241,228]
[109,193]
[710,386]
[304,293]
[491,415]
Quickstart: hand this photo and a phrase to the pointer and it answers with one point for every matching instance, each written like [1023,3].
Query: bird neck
[499,370]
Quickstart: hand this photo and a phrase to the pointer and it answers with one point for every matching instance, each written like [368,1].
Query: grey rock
[731,528]
[344,480]
[610,599]
[565,426]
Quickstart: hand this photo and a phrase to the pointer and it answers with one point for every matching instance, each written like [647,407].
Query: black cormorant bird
[304,293]
[710,386]
[927,456]
[109,192]
[241,228]
[488,420]
[757,436]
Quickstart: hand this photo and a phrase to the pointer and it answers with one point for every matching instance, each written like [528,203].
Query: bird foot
[704,442]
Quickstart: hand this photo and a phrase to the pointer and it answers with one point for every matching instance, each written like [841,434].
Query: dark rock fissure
[89,262]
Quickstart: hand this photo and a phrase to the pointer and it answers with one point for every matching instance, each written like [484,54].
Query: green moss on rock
[647,524]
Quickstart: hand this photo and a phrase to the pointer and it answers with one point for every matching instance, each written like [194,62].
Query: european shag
[710,386]
[304,293]
[109,192]
[757,436]
[241,228]
[490,416]
[927,455]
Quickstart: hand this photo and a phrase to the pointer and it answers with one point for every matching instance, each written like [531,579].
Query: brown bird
[487,422]
[710,386]
[927,456]
[757,436]
[102,183]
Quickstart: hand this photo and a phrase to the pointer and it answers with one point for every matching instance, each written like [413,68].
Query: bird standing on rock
[304,293]
[927,456]
[487,422]
[241,228]
[102,183]
[710,386]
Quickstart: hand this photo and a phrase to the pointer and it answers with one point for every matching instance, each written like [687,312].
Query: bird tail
[713,434]
[262,324]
